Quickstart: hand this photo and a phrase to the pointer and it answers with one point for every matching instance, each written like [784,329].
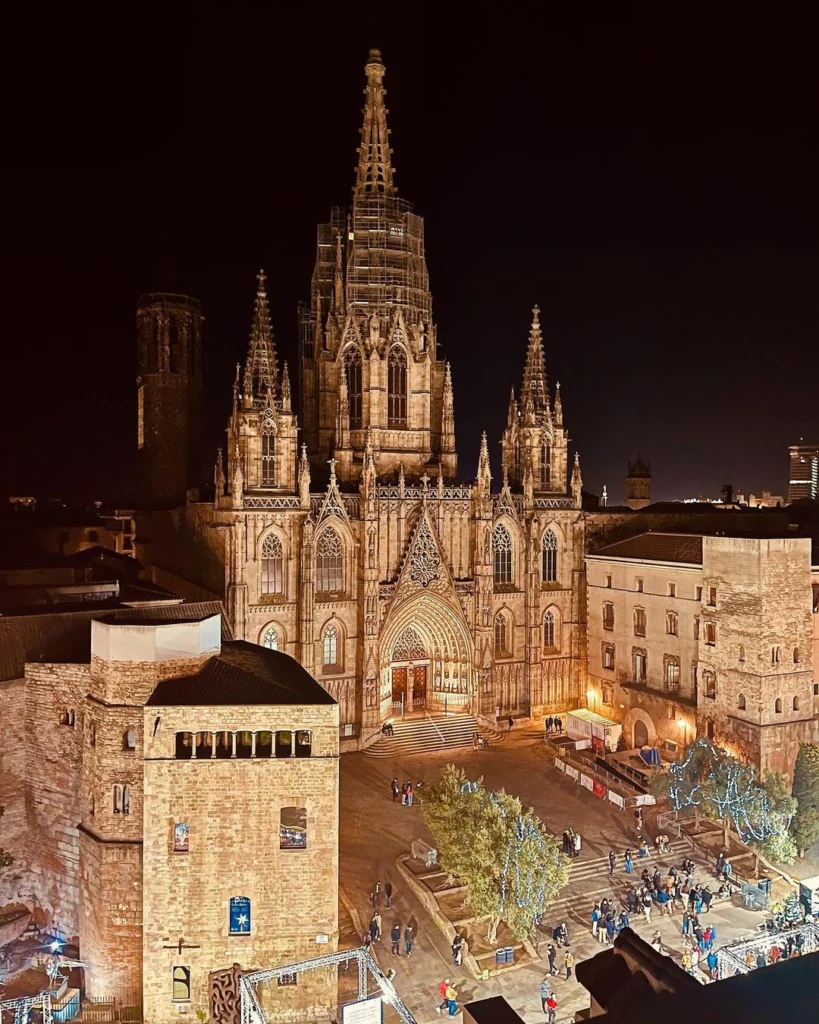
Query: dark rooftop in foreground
[244,673]
[658,547]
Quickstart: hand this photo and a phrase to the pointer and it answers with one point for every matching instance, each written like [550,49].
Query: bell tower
[169,398]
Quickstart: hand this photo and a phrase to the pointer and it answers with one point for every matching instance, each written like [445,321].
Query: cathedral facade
[400,588]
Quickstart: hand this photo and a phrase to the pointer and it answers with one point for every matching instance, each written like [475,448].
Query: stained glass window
[272,565]
[397,382]
[502,553]
[549,630]
[268,473]
[270,638]
[352,366]
[329,563]
[500,635]
[330,645]
[549,557]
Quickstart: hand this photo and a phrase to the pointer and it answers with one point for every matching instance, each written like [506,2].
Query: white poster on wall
[363,1011]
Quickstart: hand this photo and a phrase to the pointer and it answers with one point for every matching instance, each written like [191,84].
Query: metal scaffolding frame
[252,1012]
[731,959]
[16,1011]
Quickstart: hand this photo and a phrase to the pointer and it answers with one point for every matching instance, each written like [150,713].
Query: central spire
[375,170]
[534,375]
[261,371]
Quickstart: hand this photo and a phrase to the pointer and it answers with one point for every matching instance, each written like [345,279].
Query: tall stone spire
[577,482]
[375,170]
[534,389]
[261,371]
[484,475]
[448,414]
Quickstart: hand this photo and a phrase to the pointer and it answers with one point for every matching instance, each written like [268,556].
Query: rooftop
[684,548]
[243,673]
[591,716]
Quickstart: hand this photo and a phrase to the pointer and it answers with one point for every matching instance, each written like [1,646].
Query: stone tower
[638,484]
[368,342]
[169,396]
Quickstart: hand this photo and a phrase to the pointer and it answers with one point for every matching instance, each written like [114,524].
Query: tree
[781,807]
[6,859]
[513,867]
[805,825]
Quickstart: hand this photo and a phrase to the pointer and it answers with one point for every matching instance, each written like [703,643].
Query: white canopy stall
[589,729]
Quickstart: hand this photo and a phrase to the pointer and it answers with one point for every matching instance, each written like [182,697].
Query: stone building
[397,586]
[127,833]
[638,484]
[697,635]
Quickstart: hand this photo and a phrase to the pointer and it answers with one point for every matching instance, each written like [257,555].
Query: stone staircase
[419,735]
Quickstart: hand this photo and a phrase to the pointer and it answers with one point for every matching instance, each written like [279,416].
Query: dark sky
[646,173]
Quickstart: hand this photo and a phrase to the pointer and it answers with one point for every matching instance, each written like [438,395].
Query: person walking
[457,950]
[373,929]
[551,1010]
[549,721]
[511,723]
[686,960]
[451,1000]
[396,790]
[409,793]
[612,862]
[395,935]
[409,937]
[376,895]
[647,908]
[551,952]
[629,863]
[595,919]
[569,961]
[545,991]
[442,987]
[686,921]
[623,921]
[577,843]
[611,928]
[388,894]
[404,793]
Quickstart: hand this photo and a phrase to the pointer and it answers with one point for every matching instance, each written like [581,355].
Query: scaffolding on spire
[261,370]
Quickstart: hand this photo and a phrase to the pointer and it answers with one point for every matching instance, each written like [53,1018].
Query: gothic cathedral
[397,587]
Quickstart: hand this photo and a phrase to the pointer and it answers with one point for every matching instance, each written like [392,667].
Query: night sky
[647,176]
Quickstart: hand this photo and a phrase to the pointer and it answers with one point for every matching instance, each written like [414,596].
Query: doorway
[640,734]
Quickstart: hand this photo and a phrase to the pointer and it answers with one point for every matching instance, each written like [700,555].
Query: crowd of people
[554,725]
[407,792]
[572,843]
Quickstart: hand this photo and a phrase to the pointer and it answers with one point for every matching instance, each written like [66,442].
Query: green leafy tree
[512,865]
[805,825]
[6,859]
[781,807]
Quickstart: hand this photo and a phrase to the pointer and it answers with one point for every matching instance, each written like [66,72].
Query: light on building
[55,945]
[681,722]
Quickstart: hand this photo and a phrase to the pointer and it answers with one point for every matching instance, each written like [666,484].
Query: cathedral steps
[419,735]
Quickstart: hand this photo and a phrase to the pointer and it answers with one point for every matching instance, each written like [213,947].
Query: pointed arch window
[501,635]
[352,367]
[397,387]
[549,633]
[329,642]
[271,638]
[546,466]
[549,557]
[268,453]
[502,555]
[741,702]
[329,563]
[272,566]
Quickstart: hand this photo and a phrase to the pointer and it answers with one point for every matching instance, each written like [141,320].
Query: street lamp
[683,724]
[591,695]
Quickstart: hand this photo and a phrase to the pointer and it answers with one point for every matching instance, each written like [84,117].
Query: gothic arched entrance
[640,734]
[426,657]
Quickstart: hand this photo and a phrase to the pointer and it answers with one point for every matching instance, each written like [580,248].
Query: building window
[180,837]
[672,674]
[638,585]
[742,652]
[796,655]
[670,746]
[712,597]
[795,703]
[639,622]
[502,555]
[549,557]
[67,717]
[698,594]
[710,683]
[741,702]
[709,730]
[710,634]
[329,645]
[816,689]
[608,582]
[776,654]
[696,627]
[546,466]
[608,616]
[181,984]
[184,746]
[268,468]
[671,623]
[640,665]
[239,915]
[272,565]
[304,743]
[608,657]
[778,706]
[287,979]
[270,638]
[501,641]
[284,743]
[352,365]
[694,671]
[606,694]
[92,734]
[293,828]
[549,634]
[672,589]
[129,739]
[122,799]
[329,563]
[671,711]
[397,384]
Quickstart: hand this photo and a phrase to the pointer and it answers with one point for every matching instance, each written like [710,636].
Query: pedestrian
[545,991]
[457,950]
[551,1009]
[612,861]
[511,723]
[388,894]
[657,942]
[775,954]
[577,843]
[558,725]
[595,919]
[642,849]
[711,960]
[623,921]
[395,935]
[631,899]
[396,790]
[551,953]
[549,725]
[565,932]
[647,908]
[706,896]
[699,935]
[727,870]
[687,961]
[404,793]
[373,929]
[442,987]
[451,1000]
[686,921]
[611,928]
[377,919]
[409,793]
[376,894]
[720,863]
[629,863]
[604,907]
[566,842]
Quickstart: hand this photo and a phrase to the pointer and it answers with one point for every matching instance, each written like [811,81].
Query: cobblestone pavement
[375,831]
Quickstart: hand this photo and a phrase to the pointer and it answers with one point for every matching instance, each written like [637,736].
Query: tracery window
[329,562]
[502,552]
[549,630]
[501,640]
[397,387]
[272,566]
[330,647]
[672,673]
[549,557]
[268,467]
[270,638]
[352,366]
[409,646]
[546,466]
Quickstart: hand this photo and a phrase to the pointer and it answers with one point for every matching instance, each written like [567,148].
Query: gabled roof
[244,673]
[657,547]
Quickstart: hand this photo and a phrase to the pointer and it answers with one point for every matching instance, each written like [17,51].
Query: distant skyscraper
[803,480]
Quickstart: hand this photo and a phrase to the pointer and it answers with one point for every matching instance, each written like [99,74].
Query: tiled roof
[244,673]
[657,547]
[65,636]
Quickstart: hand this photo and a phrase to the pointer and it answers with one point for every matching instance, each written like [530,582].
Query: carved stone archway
[634,716]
